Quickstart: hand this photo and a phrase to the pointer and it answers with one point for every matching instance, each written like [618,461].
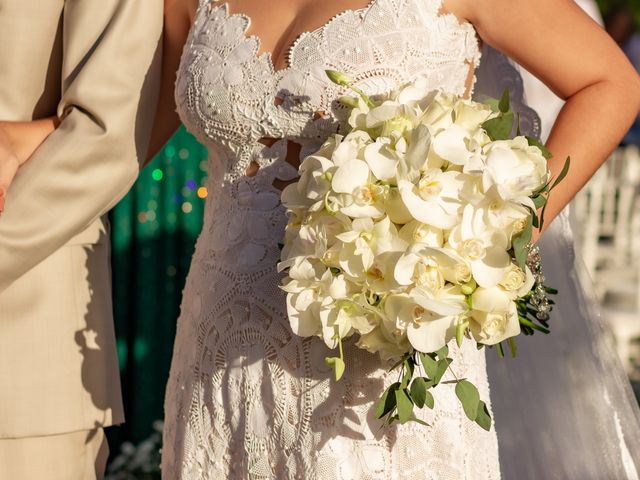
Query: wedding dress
[246,397]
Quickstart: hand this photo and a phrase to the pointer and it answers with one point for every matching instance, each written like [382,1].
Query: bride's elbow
[627,84]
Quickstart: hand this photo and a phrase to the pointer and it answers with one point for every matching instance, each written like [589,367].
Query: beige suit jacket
[94,63]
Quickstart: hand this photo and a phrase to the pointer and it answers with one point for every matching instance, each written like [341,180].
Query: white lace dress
[246,398]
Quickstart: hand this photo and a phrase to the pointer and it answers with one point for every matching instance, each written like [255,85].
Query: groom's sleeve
[110,76]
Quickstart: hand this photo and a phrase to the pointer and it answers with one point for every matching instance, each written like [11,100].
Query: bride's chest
[229,94]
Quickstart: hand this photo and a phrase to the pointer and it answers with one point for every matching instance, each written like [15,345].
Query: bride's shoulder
[180,10]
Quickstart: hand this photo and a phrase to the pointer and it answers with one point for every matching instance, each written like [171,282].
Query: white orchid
[433,197]
[484,247]
[350,147]
[316,173]
[429,318]
[362,196]
[364,242]
[382,159]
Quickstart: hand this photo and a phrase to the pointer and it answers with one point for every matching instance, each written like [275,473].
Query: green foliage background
[607,6]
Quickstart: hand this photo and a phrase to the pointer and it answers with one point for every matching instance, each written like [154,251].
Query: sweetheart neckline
[362,12]
[288,50]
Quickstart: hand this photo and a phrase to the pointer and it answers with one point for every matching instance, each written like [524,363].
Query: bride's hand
[9,164]
[18,141]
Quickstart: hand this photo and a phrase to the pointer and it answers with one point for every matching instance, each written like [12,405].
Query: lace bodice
[226,93]
[247,399]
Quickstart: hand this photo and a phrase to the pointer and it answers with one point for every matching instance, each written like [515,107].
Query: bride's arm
[178,16]
[557,42]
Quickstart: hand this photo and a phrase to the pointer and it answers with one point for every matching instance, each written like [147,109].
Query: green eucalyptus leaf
[469,397]
[535,221]
[534,142]
[442,369]
[539,201]
[504,101]
[408,372]
[421,422]
[418,392]
[521,242]
[429,364]
[493,103]
[443,352]
[484,418]
[499,128]
[387,402]
[563,173]
[404,405]
[429,400]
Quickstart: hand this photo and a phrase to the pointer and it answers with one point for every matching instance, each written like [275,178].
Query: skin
[18,141]
[601,88]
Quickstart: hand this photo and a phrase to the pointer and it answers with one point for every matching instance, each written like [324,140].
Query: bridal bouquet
[414,229]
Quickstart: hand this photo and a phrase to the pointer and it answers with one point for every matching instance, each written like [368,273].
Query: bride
[246,398]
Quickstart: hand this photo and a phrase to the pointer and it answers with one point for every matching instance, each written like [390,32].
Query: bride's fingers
[8,167]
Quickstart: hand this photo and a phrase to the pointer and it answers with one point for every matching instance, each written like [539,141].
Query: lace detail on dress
[226,93]
[246,398]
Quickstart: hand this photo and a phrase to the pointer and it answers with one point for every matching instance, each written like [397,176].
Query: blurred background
[155,227]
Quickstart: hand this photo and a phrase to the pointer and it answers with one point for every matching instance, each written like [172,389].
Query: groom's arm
[109,89]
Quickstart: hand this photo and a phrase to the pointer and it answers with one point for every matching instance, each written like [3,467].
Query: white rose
[513,279]
[439,113]
[494,316]
[417,232]
[526,287]
[471,115]
[514,169]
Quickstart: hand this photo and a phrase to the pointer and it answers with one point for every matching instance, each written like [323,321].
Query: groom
[93,63]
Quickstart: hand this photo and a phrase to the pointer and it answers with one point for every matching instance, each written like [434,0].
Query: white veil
[563,408]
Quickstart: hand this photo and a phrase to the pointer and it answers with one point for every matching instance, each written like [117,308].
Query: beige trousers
[72,456]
